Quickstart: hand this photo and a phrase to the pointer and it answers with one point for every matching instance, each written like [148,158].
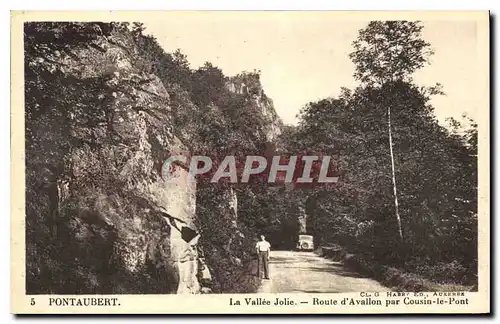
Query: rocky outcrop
[115,226]
[249,86]
[302,219]
[105,107]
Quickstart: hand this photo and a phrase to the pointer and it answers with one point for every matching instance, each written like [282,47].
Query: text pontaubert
[83,301]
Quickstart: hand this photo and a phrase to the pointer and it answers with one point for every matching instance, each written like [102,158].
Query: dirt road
[294,272]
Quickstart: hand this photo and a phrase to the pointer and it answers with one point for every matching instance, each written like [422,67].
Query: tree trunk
[394,176]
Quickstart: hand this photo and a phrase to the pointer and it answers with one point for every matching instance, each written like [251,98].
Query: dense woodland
[435,167]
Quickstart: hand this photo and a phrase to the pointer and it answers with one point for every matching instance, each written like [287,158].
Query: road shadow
[280,259]
[333,267]
[338,270]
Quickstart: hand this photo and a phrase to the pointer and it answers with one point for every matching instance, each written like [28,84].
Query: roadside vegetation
[404,210]
[405,207]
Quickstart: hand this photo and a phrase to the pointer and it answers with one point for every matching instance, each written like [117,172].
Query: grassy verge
[235,277]
[247,281]
[391,277]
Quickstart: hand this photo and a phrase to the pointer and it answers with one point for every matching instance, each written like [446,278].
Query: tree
[389,52]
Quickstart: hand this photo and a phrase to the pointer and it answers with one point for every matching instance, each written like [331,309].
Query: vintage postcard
[246,162]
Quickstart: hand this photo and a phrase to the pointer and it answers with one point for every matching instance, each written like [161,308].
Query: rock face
[105,107]
[178,201]
[100,217]
[302,219]
[248,85]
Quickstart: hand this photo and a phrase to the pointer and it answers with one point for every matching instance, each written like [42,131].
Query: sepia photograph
[318,161]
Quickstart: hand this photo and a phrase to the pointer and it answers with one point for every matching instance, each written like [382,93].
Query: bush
[452,272]
[398,279]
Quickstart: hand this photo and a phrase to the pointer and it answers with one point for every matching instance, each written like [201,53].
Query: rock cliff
[105,106]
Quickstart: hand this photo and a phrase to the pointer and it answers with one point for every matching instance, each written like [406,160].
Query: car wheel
[304,246]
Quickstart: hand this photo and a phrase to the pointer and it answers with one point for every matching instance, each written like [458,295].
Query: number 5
[32,303]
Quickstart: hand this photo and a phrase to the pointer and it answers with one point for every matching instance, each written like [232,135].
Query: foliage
[436,167]
[96,131]
[85,145]
[216,115]
[389,51]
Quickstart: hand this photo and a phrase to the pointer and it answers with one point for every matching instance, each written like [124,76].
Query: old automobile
[305,242]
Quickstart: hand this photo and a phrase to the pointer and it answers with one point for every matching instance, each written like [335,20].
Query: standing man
[263,249]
